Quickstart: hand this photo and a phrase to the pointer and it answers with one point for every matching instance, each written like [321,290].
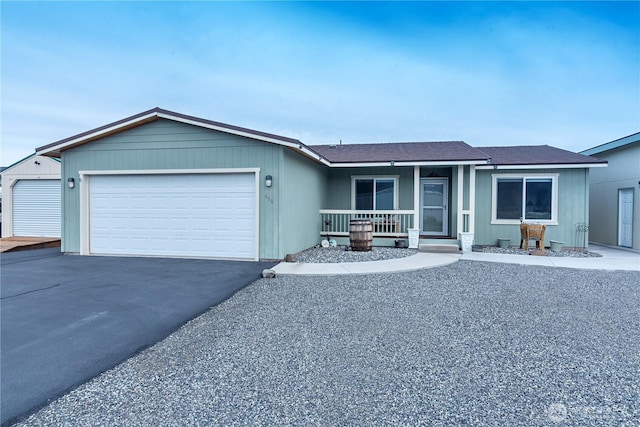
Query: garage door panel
[37,208]
[209,215]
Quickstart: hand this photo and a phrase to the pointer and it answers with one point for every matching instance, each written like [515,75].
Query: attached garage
[166,184]
[211,215]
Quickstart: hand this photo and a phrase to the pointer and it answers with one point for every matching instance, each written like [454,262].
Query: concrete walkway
[413,262]
[612,259]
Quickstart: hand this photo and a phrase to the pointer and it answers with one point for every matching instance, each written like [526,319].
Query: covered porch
[435,201]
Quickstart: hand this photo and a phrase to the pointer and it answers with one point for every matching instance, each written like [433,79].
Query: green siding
[289,219]
[339,185]
[573,201]
[165,144]
[303,184]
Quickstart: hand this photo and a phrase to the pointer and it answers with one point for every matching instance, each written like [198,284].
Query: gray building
[614,212]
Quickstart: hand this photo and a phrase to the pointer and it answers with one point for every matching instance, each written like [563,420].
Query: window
[530,198]
[374,193]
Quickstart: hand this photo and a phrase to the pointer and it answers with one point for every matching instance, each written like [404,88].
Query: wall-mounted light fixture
[71,182]
[393,163]
[268,181]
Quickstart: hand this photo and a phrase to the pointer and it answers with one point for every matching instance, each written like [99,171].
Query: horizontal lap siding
[165,144]
[573,202]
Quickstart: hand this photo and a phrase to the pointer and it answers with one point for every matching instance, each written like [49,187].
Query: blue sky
[498,73]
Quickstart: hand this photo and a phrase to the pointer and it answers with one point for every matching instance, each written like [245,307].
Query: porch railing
[391,223]
[466,221]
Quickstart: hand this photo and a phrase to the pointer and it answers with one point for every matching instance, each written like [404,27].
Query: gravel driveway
[470,343]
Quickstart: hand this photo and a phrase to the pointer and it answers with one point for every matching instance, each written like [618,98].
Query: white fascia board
[612,145]
[151,115]
[226,130]
[311,154]
[543,166]
[296,146]
[97,134]
[168,171]
[388,164]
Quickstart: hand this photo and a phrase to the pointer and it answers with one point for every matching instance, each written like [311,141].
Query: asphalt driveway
[66,319]
[471,343]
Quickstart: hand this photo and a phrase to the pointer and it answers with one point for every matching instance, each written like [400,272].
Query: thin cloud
[565,74]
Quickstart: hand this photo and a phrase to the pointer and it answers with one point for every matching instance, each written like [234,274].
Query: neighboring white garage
[37,208]
[31,196]
[211,215]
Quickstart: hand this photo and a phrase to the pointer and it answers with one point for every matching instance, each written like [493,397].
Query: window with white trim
[524,197]
[374,193]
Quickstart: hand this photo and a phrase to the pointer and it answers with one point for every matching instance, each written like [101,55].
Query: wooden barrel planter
[361,235]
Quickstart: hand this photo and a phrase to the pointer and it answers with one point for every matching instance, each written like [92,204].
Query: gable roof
[54,149]
[538,156]
[617,143]
[6,168]
[352,155]
[457,152]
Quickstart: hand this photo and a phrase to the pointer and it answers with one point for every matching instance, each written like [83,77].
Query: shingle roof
[536,155]
[448,152]
[399,152]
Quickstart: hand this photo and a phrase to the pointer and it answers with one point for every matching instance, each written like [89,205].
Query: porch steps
[439,248]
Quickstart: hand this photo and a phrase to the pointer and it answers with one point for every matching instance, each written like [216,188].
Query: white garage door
[192,215]
[37,207]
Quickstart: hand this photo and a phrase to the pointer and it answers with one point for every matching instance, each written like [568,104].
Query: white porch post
[416,197]
[472,198]
[414,233]
[460,208]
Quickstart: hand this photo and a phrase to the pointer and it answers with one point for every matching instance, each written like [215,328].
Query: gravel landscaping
[471,343]
[342,254]
[515,250]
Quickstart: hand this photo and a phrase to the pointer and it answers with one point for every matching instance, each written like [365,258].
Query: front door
[625,217]
[434,215]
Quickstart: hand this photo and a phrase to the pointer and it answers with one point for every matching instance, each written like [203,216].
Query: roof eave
[11,166]
[406,163]
[612,145]
[55,149]
[546,166]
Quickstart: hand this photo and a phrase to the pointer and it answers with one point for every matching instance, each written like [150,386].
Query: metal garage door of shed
[37,208]
[190,215]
